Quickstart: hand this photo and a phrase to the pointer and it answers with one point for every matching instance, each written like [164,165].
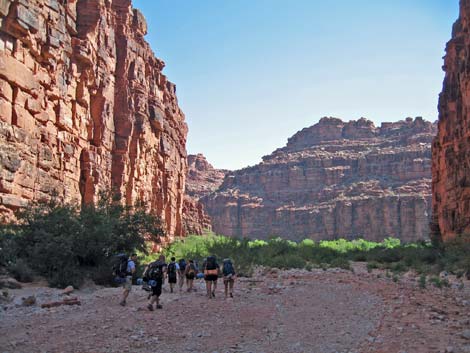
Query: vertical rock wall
[451,147]
[84,107]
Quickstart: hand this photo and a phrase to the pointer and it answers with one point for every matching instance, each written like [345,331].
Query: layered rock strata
[84,108]
[334,179]
[201,180]
[451,148]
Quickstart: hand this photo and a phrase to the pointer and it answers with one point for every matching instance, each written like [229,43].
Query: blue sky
[251,73]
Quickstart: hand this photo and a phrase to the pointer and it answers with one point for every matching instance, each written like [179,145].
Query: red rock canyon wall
[451,148]
[334,179]
[201,180]
[84,107]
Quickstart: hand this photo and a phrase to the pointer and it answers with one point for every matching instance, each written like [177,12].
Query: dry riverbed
[275,311]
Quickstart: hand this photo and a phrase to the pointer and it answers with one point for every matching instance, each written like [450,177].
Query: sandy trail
[290,311]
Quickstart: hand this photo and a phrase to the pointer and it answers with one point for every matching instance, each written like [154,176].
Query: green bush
[276,252]
[340,262]
[65,244]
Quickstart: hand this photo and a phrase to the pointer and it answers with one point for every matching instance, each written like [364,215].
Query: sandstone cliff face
[201,180]
[451,148]
[84,107]
[334,179]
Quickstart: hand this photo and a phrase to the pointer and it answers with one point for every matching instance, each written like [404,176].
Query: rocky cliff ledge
[334,179]
[201,180]
[451,148]
[84,107]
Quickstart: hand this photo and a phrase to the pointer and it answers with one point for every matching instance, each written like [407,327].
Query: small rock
[28,301]
[466,334]
[68,290]
[450,349]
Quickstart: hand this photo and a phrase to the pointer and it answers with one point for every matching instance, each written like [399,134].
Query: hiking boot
[231,295]
[159,306]
[150,307]
[122,303]
[213,294]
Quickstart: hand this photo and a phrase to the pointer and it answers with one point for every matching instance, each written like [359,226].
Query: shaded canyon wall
[451,148]
[84,107]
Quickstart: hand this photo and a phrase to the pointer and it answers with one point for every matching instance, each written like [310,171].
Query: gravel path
[292,311]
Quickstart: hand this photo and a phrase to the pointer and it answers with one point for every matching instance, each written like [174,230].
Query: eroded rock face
[201,180]
[451,148]
[334,179]
[84,107]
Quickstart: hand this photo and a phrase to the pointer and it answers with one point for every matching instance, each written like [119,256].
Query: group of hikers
[177,273]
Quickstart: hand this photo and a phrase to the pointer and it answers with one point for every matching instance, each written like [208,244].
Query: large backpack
[211,263]
[182,264]
[192,269]
[155,271]
[172,269]
[228,268]
[120,265]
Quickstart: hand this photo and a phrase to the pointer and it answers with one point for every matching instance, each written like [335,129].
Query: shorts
[229,278]
[190,276]
[211,278]
[157,290]
[172,278]
[127,283]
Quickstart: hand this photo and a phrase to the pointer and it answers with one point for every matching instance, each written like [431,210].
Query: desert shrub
[21,271]
[286,261]
[341,262]
[8,245]
[372,265]
[65,244]
[422,281]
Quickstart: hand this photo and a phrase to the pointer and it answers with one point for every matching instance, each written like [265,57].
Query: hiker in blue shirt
[127,283]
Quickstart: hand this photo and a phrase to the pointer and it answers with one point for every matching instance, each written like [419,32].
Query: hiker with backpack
[154,273]
[173,269]
[181,272]
[211,274]
[190,273]
[124,269]
[228,271]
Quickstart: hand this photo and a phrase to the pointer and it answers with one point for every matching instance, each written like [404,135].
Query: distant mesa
[332,180]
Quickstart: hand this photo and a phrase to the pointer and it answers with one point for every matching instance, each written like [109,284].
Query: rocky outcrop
[84,107]
[201,180]
[451,148]
[334,179]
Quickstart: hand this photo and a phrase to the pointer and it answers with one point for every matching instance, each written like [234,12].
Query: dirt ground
[275,311]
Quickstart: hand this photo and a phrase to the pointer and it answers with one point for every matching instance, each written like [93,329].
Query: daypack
[182,264]
[172,269]
[120,266]
[228,268]
[154,271]
[210,263]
